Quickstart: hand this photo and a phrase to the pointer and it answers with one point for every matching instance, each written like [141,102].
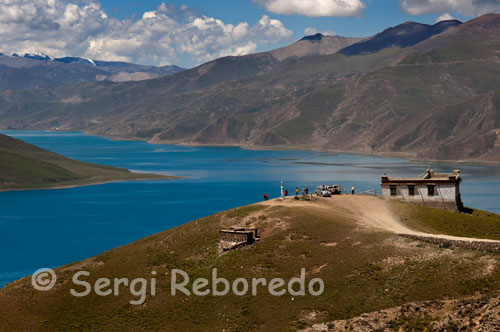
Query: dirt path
[368,211]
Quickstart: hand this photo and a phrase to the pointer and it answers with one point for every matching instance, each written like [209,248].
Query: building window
[430,190]
[411,190]
[393,190]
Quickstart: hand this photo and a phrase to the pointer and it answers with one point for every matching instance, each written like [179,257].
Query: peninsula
[25,166]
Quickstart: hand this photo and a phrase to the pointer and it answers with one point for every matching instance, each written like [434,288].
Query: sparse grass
[296,130]
[479,224]
[244,211]
[451,53]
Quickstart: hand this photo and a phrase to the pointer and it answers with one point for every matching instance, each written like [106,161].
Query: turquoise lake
[49,228]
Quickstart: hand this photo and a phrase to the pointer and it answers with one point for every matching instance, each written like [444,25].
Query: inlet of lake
[50,228]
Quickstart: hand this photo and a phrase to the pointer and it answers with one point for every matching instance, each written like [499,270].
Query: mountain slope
[403,35]
[25,166]
[476,31]
[317,44]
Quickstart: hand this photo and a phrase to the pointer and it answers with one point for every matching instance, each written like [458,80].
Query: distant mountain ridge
[26,71]
[436,99]
[403,35]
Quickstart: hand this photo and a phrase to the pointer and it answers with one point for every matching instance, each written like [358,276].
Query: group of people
[305,191]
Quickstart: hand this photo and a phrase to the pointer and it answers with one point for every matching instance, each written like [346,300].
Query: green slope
[363,270]
[25,166]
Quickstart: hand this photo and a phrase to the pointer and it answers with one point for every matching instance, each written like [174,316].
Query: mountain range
[21,72]
[416,90]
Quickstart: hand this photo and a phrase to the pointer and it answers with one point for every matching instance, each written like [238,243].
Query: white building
[435,189]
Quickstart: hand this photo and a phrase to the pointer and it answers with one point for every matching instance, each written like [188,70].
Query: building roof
[429,177]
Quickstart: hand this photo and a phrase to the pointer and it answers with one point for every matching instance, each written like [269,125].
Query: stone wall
[234,238]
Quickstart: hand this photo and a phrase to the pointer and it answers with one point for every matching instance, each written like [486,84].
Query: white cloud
[444,17]
[313,31]
[314,8]
[241,50]
[166,35]
[466,7]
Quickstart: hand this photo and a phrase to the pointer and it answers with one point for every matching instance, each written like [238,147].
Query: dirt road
[368,211]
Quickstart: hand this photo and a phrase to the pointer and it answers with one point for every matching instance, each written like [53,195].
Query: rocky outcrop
[474,315]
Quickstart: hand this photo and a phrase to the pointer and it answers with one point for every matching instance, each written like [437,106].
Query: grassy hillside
[25,166]
[364,269]
[478,224]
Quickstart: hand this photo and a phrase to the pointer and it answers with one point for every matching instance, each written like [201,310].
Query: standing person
[266,196]
[307,191]
[296,191]
[352,190]
[286,192]
[323,187]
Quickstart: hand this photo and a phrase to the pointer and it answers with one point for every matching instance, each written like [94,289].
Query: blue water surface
[49,228]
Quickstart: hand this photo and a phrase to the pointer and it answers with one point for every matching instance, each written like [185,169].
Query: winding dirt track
[368,211]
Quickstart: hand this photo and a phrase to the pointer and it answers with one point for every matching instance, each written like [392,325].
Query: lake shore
[94,183]
[412,157]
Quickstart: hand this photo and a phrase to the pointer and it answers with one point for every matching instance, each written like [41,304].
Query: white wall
[442,193]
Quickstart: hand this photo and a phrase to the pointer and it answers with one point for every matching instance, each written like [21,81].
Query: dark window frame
[411,190]
[431,190]
[394,190]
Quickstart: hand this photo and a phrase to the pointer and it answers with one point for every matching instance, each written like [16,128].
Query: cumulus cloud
[166,35]
[314,8]
[444,17]
[313,31]
[466,7]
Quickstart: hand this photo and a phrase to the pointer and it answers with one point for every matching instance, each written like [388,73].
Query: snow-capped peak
[34,55]
[91,61]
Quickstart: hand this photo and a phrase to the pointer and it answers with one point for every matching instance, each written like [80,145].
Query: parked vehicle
[328,191]
[318,190]
[335,189]
[325,193]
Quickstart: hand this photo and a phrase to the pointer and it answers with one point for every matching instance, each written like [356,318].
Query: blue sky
[188,33]
[378,15]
